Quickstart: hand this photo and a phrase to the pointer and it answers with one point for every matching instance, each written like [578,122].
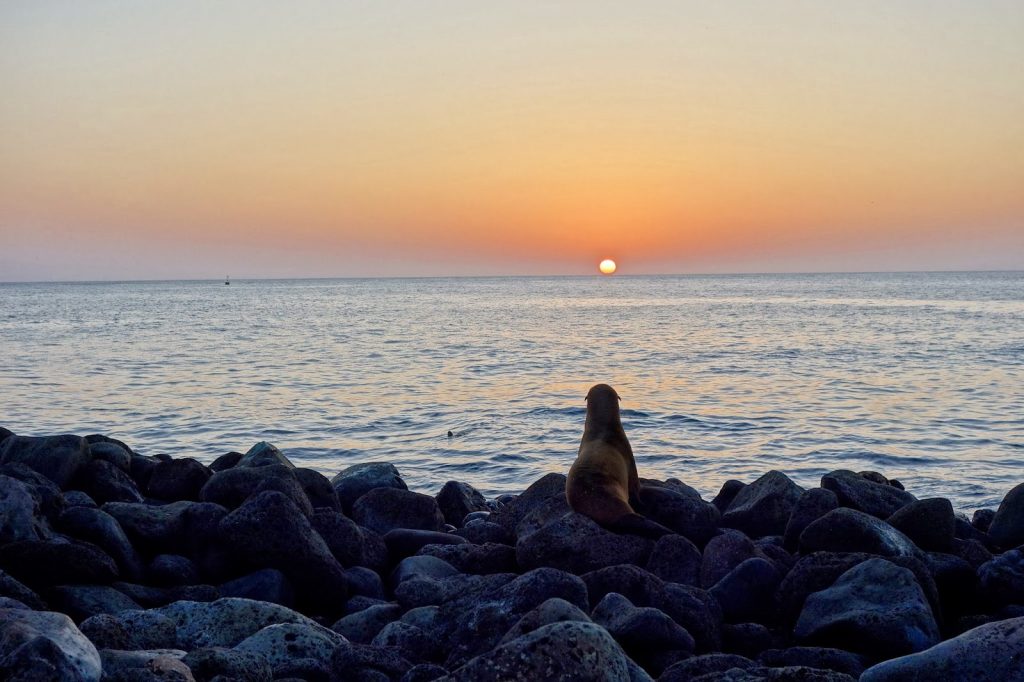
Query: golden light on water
[607,266]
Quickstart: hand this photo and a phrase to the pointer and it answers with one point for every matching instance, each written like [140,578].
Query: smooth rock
[747,639]
[456,500]
[632,582]
[42,645]
[149,597]
[810,506]
[697,611]
[364,581]
[581,652]
[675,559]
[421,567]
[982,519]
[929,523]
[875,608]
[357,480]
[482,532]
[1007,526]
[281,644]
[384,509]
[179,479]
[84,601]
[849,530]
[763,507]
[58,458]
[41,564]
[46,493]
[746,593]
[104,482]
[577,544]
[361,627]
[318,488]
[118,455]
[100,528]
[20,515]
[989,653]
[267,584]
[225,622]
[860,493]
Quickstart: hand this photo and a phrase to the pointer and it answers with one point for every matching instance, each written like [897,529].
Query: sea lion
[603,482]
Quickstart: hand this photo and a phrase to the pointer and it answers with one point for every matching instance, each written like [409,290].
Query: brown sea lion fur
[603,482]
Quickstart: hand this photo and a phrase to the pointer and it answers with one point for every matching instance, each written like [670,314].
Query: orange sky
[300,139]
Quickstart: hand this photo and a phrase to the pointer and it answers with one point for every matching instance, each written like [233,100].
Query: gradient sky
[275,139]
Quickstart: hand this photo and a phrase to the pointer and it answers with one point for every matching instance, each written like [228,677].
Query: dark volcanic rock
[1007,527]
[149,597]
[403,542]
[411,641]
[268,584]
[929,523]
[142,468]
[130,630]
[682,510]
[384,509]
[225,622]
[763,507]
[232,487]
[708,664]
[641,631]
[848,530]
[675,559]
[344,538]
[227,664]
[575,543]
[225,461]
[724,553]
[84,601]
[269,531]
[263,454]
[359,479]
[814,657]
[1002,578]
[956,581]
[458,499]
[353,661]
[876,608]
[553,610]
[117,454]
[152,529]
[169,570]
[179,479]
[469,558]
[582,652]
[810,506]
[41,564]
[318,489]
[76,498]
[20,515]
[59,458]
[547,493]
[104,482]
[103,530]
[12,588]
[730,489]
[982,519]
[421,567]
[746,592]
[43,645]
[294,649]
[46,493]
[695,610]
[481,532]
[747,639]
[990,653]
[855,491]
[361,627]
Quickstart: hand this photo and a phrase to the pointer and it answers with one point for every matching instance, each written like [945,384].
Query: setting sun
[607,266]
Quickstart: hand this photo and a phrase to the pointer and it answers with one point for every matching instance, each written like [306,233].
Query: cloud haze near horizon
[192,140]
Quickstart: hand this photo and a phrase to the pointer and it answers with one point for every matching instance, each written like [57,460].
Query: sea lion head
[603,403]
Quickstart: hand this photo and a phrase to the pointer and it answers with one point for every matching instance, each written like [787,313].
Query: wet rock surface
[175,569]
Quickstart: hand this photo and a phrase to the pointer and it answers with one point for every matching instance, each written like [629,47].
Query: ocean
[919,376]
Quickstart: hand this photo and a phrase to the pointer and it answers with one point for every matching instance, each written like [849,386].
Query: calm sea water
[918,376]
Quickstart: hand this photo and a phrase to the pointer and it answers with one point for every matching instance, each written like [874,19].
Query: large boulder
[456,500]
[384,509]
[989,653]
[130,630]
[177,479]
[84,601]
[225,664]
[103,530]
[343,537]
[225,622]
[724,553]
[46,493]
[1002,578]
[40,564]
[644,632]
[44,645]
[810,506]
[115,452]
[269,531]
[681,509]
[848,530]
[318,489]
[581,652]
[489,557]
[152,529]
[105,482]
[20,516]
[262,454]
[232,487]
[863,494]
[746,592]
[553,610]
[163,665]
[675,559]
[59,458]
[929,523]
[267,584]
[577,544]
[292,647]
[359,479]
[763,507]
[875,608]
[1007,527]
[543,501]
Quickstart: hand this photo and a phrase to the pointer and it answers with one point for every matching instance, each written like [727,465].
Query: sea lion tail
[634,524]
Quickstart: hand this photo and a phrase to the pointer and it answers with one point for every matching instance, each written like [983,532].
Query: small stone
[477,559]
[117,454]
[20,515]
[226,461]
[403,542]
[554,610]
[100,528]
[707,664]
[730,489]
[681,509]
[160,664]
[814,657]
[168,570]
[724,553]
[1002,578]
[318,489]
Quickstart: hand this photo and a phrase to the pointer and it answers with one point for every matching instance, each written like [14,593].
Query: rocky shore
[120,566]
